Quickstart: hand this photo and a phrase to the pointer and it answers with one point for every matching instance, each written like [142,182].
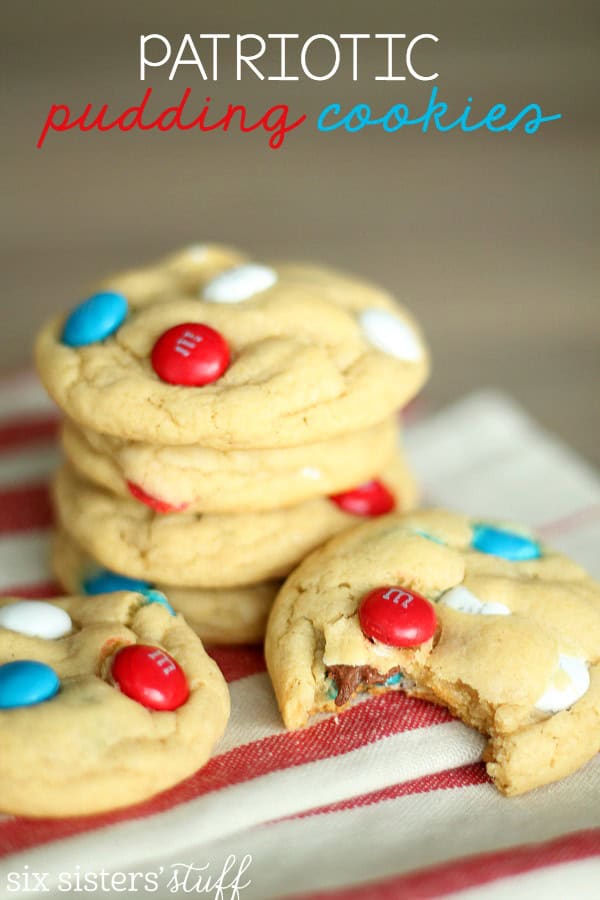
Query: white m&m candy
[390,334]
[236,285]
[36,618]
[465,601]
[570,681]
[197,253]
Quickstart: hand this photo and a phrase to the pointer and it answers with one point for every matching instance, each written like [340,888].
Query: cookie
[102,704]
[258,357]
[218,616]
[207,551]
[479,617]
[199,479]
[194,550]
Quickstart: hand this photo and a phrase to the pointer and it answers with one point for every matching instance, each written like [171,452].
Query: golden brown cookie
[193,550]
[479,617]
[254,356]
[200,479]
[218,615]
[102,704]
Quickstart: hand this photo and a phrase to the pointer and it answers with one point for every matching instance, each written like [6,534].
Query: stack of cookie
[223,419]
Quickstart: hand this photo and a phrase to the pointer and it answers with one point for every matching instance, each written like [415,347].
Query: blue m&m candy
[105,582]
[95,319]
[504,543]
[154,596]
[26,682]
[394,679]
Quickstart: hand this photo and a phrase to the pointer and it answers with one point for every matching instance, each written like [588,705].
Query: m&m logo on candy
[150,676]
[370,499]
[190,354]
[397,617]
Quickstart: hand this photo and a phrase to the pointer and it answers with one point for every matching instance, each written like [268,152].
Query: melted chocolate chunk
[348,679]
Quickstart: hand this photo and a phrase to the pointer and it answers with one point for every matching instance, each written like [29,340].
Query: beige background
[491,239]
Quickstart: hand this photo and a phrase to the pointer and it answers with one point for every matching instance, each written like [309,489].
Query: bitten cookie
[218,616]
[199,479]
[102,704]
[256,356]
[193,550]
[479,617]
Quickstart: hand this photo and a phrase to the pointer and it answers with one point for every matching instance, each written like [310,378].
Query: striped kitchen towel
[388,800]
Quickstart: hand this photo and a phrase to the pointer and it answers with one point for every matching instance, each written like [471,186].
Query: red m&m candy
[150,676]
[154,503]
[370,499]
[397,616]
[190,354]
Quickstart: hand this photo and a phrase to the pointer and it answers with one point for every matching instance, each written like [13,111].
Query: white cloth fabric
[382,794]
